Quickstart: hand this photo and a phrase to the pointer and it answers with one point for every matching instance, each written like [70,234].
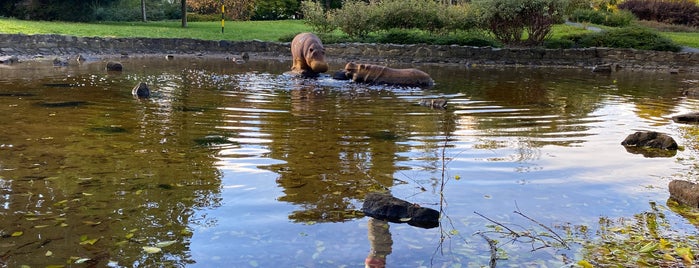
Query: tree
[143,10]
[183,7]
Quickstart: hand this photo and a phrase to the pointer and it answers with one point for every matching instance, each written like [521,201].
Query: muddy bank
[27,47]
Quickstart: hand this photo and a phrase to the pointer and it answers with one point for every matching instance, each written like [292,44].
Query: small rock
[169,57]
[114,66]
[384,206]
[687,118]
[650,139]
[8,59]
[58,62]
[434,103]
[606,68]
[141,90]
[686,193]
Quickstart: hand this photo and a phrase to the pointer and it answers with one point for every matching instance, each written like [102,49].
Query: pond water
[238,165]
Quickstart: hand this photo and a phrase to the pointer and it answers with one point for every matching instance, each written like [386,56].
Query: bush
[314,15]
[681,12]
[409,14]
[629,37]
[509,19]
[559,44]
[620,18]
[356,18]
[458,17]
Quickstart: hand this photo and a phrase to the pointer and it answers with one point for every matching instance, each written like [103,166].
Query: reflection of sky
[571,172]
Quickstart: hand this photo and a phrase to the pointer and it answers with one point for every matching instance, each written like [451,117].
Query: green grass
[683,38]
[233,30]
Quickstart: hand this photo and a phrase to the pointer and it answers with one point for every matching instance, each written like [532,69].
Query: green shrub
[356,18]
[559,44]
[314,15]
[629,37]
[458,17]
[621,18]
[409,14]
[509,19]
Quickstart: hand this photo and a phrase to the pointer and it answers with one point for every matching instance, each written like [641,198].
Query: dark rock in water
[650,139]
[606,68]
[685,192]
[340,75]
[686,118]
[58,62]
[60,104]
[8,59]
[649,152]
[384,206]
[114,66]
[434,103]
[141,90]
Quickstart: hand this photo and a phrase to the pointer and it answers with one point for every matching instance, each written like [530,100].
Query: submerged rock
[684,192]
[384,206]
[114,66]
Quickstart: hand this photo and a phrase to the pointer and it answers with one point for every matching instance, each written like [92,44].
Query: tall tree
[184,13]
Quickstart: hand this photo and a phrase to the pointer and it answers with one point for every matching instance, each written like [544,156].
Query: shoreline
[42,47]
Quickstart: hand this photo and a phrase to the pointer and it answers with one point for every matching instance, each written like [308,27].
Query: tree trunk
[184,13]
[143,10]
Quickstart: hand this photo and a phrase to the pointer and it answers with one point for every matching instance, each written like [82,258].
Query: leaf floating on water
[253,263]
[81,260]
[585,264]
[87,194]
[186,231]
[48,253]
[129,235]
[405,219]
[40,226]
[457,177]
[454,232]
[61,203]
[152,250]
[89,241]
[92,223]
[55,266]
[650,247]
[685,253]
[165,243]
[18,233]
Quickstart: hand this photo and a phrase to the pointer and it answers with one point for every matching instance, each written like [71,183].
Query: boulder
[384,206]
[684,192]
[114,66]
[687,118]
[141,90]
[606,68]
[650,139]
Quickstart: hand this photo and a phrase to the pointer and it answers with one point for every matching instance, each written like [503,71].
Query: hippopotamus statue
[308,55]
[378,74]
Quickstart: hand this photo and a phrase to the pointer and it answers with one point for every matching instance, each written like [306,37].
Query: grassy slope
[234,30]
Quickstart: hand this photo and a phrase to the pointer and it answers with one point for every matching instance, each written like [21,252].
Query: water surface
[238,165]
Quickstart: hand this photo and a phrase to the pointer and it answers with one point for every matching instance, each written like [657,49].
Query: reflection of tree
[101,181]
[336,148]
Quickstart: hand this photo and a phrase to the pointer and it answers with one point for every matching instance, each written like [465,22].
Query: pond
[238,165]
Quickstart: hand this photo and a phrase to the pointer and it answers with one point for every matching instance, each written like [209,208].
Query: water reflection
[238,165]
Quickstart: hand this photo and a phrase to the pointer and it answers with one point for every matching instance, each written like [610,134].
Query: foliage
[235,9]
[620,18]
[509,19]
[683,12]
[629,37]
[194,17]
[314,15]
[408,14]
[67,10]
[130,10]
[356,18]
[275,9]
[574,5]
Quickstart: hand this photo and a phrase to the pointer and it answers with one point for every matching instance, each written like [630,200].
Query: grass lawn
[233,30]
